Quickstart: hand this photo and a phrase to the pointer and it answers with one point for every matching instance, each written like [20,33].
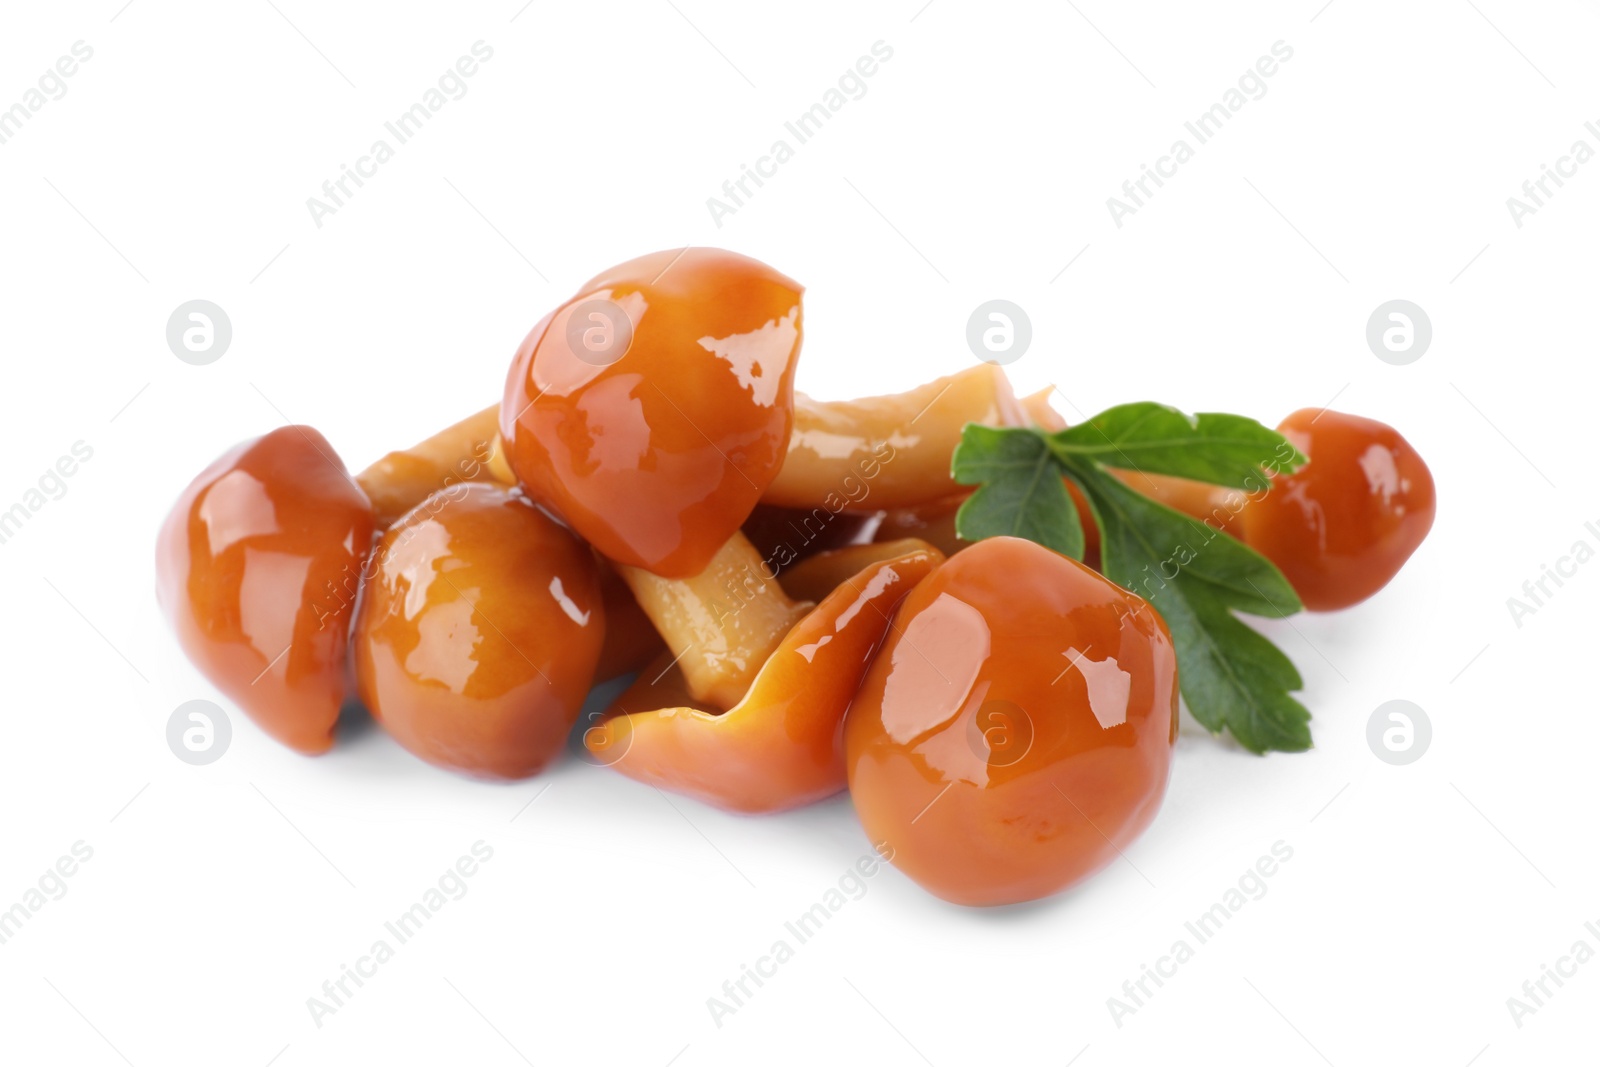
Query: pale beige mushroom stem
[722,624]
[469,451]
[883,452]
[862,455]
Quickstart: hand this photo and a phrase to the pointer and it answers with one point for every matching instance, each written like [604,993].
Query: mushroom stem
[722,624]
[1039,412]
[469,451]
[884,452]
[782,745]
[1216,505]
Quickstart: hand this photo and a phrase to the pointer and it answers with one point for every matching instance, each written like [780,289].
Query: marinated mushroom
[257,567]
[1339,533]
[479,631]
[1040,412]
[1341,527]
[652,409]
[469,451]
[722,624]
[783,744]
[934,520]
[1012,736]
[788,575]
[649,412]
[472,451]
[884,452]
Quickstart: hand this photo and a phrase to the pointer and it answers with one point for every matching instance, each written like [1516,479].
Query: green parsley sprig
[1194,574]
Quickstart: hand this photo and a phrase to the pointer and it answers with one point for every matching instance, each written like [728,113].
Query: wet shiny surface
[1345,523]
[782,745]
[1016,728]
[720,625]
[657,455]
[814,577]
[631,640]
[257,568]
[882,452]
[935,522]
[468,451]
[479,632]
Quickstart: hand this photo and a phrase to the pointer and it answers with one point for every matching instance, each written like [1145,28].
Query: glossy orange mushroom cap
[257,567]
[479,632]
[1341,527]
[1016,729]
[651,410]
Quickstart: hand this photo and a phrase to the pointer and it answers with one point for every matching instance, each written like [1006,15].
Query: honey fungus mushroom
[479,632]
[782,745]
[649,412]
[652,409]
[896,448]
[472,451]
[468,451]
[257,567]
[1016,730]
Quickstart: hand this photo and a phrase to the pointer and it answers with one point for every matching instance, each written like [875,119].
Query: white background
[977,165]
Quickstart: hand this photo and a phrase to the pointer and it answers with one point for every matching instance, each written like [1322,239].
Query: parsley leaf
[1228,450]
[1195,575]
[1231,676]
[1021,492]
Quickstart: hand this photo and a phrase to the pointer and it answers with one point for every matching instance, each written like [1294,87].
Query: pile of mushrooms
[650,497]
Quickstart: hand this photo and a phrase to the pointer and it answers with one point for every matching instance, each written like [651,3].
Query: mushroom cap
[479,630]
[1341,527]
[651,410]
[257,569]
[1036,702]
